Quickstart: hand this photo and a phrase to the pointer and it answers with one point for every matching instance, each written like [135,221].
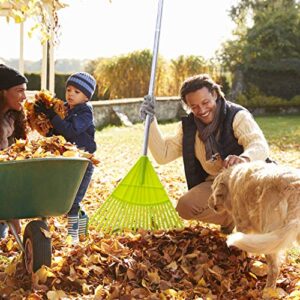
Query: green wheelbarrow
[38,188]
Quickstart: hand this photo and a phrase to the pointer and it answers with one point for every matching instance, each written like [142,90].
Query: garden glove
[148,108]
[40,107]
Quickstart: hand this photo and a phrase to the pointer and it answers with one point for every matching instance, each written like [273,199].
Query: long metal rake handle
[153,72]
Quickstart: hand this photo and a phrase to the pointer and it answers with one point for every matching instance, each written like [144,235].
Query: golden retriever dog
[264,201]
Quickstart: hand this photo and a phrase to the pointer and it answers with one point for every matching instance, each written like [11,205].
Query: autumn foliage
[38,121]
[193,263]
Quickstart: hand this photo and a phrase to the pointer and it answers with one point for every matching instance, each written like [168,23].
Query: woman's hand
[231,160]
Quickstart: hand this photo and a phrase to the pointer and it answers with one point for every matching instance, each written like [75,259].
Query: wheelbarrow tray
[40,187]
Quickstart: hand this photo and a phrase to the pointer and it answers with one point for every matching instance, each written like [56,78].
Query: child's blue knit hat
[83,81]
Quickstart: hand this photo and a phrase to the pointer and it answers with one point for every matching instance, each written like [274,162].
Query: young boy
[79,128]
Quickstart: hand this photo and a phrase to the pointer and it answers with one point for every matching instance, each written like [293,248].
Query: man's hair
[197,82]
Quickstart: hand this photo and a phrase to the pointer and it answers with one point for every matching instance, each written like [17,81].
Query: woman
[215,135]
[12,119]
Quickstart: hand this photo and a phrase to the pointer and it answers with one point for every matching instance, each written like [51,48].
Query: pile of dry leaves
[193,263]
[40,122]
[43,147]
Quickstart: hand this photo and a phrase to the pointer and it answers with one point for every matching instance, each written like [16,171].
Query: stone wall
[276,110]
[126,111]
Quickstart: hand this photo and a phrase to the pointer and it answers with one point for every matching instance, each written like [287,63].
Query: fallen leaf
[46,233]
[56,295]
[259,269]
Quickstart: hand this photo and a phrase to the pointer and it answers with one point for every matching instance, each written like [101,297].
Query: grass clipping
[40,122]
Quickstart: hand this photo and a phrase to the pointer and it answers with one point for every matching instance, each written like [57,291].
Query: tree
[128,76]
[267,30]
[266,50]
[185,66]
[44,12]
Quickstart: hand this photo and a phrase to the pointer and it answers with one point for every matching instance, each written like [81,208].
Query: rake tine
[133,206]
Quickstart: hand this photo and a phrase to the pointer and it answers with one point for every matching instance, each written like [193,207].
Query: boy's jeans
[3,230]
[82,190]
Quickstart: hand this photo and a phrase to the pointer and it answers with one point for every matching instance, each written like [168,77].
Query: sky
[102,28]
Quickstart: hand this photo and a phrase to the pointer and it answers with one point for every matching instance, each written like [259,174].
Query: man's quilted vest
[227,144]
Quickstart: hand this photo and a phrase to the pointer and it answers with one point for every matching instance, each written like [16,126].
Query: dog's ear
[219,194]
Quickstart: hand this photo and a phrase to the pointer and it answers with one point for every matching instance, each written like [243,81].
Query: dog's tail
[266,243]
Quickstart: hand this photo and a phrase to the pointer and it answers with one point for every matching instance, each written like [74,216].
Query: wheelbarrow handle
[15,234]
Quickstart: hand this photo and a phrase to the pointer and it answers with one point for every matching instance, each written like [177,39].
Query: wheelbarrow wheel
[37,246]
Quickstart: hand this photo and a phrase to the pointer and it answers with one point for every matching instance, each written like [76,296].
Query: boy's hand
[40,107]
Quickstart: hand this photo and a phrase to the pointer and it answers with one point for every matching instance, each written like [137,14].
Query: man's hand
[231,160]
[148,108]
[40,107]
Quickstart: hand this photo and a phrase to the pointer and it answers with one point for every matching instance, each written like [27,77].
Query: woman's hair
[19,117]
[197,82]
[20,125]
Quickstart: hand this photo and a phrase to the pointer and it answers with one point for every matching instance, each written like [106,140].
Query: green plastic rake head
[138,202]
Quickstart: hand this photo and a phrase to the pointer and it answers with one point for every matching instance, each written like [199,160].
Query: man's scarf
[208,133]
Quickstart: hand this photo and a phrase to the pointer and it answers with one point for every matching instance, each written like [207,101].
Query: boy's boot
[3,230]
[73,226]
[83,223]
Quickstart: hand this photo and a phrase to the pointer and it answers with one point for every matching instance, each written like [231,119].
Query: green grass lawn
[283,136]
[282,131]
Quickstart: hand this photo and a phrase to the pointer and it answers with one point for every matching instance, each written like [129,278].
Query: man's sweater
[246,131]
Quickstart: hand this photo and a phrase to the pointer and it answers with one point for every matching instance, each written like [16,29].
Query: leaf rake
[139,201]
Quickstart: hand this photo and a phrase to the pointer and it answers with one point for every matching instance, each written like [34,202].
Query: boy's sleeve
[74,127]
